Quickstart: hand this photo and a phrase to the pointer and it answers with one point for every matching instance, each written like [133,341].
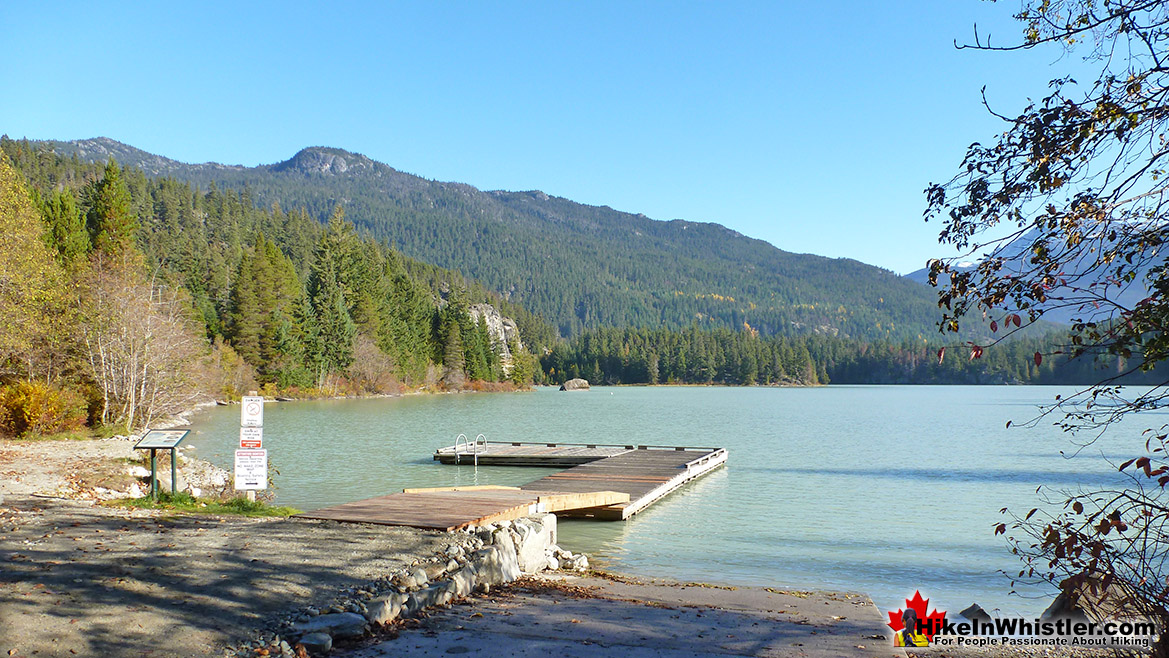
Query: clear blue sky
[815,129]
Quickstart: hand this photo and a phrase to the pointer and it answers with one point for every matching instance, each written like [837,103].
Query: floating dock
[646,474]
[528,454]
[605,482]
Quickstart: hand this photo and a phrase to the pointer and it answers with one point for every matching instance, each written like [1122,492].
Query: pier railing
[470,448]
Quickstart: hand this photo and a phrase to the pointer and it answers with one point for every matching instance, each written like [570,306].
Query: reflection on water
[872,488]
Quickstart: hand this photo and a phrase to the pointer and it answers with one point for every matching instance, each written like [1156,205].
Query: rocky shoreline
[475,560]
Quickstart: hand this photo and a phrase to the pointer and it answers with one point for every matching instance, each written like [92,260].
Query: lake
[881,489]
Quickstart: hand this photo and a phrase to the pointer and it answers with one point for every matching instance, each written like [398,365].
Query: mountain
[580,266]
[1067,303]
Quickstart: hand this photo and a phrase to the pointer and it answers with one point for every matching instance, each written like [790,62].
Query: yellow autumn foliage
[32,285]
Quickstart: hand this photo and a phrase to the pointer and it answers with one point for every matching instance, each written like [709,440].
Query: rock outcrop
[575,385]
[503,332]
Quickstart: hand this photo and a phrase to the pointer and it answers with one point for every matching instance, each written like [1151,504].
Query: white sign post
[251,460]
[251,470]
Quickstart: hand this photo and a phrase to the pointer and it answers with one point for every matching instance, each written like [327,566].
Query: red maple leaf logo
[930,623]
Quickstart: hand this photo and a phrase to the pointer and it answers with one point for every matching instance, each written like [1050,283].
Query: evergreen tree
[65,230]
[453,357]
[111,220]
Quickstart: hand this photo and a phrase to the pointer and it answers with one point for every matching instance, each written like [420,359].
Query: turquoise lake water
[880,489]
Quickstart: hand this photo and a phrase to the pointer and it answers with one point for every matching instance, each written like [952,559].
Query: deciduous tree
[1069,206]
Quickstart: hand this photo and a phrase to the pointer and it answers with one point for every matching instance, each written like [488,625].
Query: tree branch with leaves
[1067,212]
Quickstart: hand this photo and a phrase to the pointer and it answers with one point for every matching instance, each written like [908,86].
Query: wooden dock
[518,453]
[647,474]
[451,508]
[605,482]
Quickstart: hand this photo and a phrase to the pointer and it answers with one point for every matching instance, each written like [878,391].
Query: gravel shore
[579,617]
[81,579]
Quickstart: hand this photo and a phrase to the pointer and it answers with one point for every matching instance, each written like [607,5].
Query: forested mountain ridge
[138,295]
[580,266]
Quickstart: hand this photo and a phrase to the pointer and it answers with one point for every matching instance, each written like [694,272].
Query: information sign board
[251,469]
[163,439]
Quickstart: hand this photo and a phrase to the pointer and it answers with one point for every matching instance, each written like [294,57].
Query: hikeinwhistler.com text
[1017,631]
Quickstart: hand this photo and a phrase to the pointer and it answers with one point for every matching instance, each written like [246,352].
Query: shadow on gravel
[80,580]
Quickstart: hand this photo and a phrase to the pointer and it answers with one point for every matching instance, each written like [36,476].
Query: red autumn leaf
[941,355]
[975,352]
[1038,359]
[1143,464]
[994,326]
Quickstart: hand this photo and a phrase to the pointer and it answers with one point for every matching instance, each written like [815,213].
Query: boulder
[435,570]
[577,384]
[502,539]
[436,594]
[404,582]
[975,613]
[339,624]
[164,480]
[536,536]
[421,578]
[317,643]
[465,580]
[386,608]
[1063,607]
[549,522]
[1086,599]
[495,566]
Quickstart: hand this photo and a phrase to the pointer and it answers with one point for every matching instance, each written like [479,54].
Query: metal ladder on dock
[464,446]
